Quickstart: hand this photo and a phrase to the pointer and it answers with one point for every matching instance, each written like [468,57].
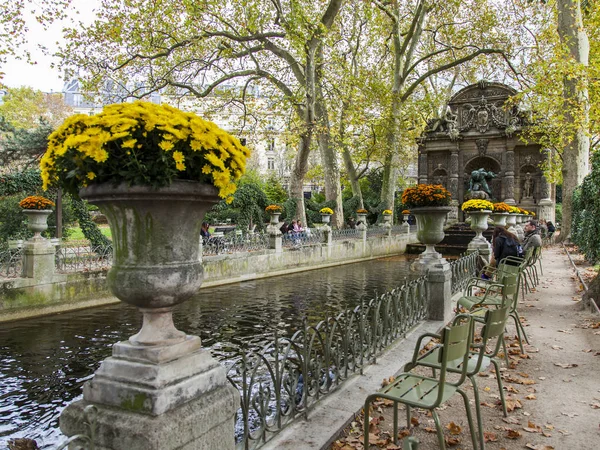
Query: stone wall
[20,298]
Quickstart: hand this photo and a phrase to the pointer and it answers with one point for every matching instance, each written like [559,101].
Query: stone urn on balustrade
[430,231]
[499,218]
[160,372]
[479,224]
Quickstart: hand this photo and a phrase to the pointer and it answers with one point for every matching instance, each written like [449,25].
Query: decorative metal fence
[83,258]
[376,231]
[463,269]
[234,243]
[299,239]
[11,263]
[286,378]
[346,234]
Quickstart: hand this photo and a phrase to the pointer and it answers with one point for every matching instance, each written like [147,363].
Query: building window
[271,163]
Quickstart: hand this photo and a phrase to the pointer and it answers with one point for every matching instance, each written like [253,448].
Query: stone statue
[478,181]
[528,186]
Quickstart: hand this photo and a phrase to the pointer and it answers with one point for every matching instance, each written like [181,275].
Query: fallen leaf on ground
[556,347]
[568,331]
[511,405]
[454,429]
[571,415]
[512,420]
[595,405]
[490,437]
[539,447]
[451,441]
[531,397]
[513,434]
[566,366]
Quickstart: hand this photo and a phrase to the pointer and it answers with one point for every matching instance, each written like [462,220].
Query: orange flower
[36,202]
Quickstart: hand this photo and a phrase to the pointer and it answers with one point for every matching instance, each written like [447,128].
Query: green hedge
[585,230]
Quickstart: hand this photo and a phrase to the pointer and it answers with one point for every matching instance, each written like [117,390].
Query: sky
[41,76]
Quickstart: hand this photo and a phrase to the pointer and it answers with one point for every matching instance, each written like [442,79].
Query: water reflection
[45,361]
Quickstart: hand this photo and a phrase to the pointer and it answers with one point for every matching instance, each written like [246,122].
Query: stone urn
[275,218]
[387,219]
[511,222]
[154,266]
[37,221]
[160,380]
[499,219]
[430,231]
[479,223]
[405,217]
[325,218]
[362,218]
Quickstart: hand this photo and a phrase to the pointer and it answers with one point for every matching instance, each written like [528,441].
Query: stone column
[546,204]
[38,260]
[327,235]
[422,166]
[362,232]
[509,175]
[453,185]
[275,238]
[439,278]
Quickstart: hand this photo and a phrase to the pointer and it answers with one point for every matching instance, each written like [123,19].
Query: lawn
[75,233]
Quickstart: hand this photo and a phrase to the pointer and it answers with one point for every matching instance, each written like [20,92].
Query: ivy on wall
[585,230]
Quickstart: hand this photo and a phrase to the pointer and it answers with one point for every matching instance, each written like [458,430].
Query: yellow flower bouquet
[145,144]
[273,209]
[502,207]
[362,211]
[326,211]
[477,205]
[387,212]
[36,202]
[423,195]
[405,211]
[515,210]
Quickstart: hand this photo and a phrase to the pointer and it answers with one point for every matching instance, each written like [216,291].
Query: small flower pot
[325,218]
[275,218]
[479,223]
[499,219]
[37,221]
[387,218]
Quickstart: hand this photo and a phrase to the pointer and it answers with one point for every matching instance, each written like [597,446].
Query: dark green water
[45,361]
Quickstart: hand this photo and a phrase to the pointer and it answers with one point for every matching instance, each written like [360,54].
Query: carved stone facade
[479,131]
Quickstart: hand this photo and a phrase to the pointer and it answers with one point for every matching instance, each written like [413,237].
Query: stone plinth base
[206,423]
[38,260]
[440,291]
[427,260]
[484,247]
[158,398]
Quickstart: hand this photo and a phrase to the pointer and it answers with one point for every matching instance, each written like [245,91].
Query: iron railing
[345,234]
[11,263]
[377,231]
[83,258]
[234,243]
[287,377]
[463,269]
[312,236]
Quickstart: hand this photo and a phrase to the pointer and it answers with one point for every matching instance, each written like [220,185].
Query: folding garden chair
[419,391]
[494,324]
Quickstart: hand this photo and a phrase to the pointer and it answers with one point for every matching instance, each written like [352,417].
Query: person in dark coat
[505,244]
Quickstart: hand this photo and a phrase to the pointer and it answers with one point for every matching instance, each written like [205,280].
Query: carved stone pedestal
[158,398]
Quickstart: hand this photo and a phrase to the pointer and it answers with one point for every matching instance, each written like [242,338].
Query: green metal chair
[494,324]
[419,391]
